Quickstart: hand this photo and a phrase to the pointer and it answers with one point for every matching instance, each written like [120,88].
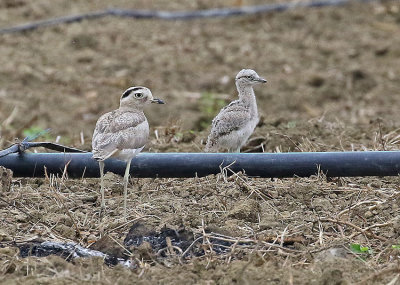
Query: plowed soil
[333,85]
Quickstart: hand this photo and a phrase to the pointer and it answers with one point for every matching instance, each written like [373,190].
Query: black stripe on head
[129,91]
[126,93]
[136,88]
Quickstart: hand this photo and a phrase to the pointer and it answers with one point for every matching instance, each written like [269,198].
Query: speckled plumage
[123,133]
[236,122]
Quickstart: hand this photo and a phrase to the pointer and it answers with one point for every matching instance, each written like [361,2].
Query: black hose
[301,164]
[178,15]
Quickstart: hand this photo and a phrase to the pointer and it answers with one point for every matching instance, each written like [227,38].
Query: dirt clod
[5,179]
[247,210]
[4,236]
[333,277]
[396,225]
[9,251]
[108,246]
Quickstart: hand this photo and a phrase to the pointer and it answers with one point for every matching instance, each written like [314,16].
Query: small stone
[66,220]
[266,225]
[285,214]
[9,251]
[368,214]
[185,194]
[91,238]
[274,194]
[396,224]
[4,236]
[21,218]
[66,231]
[332,254]
[90,199]
[321,203]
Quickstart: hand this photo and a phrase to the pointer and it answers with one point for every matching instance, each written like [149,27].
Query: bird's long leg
[103,205]
[126,179]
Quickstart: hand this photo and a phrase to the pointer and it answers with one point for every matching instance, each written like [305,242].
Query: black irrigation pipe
[301,164]
[179,15]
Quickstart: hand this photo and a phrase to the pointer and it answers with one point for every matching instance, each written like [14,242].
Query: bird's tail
[97,157]
[101,155]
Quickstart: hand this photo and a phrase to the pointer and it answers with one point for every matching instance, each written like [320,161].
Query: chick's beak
[157,101]
[261,80]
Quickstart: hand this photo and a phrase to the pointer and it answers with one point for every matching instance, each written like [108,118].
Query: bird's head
[248,77]
[138,97]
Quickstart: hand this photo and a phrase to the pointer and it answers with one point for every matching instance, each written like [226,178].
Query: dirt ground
[333,84]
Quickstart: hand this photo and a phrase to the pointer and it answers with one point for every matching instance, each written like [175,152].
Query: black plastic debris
[187,242]
[181,238]
[68,251]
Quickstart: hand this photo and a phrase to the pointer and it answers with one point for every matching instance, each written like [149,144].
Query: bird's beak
[261,80]
[157,101]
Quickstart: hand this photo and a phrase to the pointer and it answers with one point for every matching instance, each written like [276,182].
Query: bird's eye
[249,77]
[138,95]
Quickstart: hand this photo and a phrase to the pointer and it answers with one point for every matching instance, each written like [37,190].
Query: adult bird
[123,133]
[236,122]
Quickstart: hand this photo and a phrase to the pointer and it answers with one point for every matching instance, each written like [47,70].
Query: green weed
[209,106]
[359,249]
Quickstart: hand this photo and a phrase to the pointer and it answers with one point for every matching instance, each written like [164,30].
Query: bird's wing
[231,118]
[119,130]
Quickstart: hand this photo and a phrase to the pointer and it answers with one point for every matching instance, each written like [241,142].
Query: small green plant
[396,246]
[359,249]
[210,105]
[291,125]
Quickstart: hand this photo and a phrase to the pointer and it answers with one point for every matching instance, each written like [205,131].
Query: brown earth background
[333,85]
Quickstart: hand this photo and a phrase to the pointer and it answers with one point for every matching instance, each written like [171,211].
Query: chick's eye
[138,95]
[249,77]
